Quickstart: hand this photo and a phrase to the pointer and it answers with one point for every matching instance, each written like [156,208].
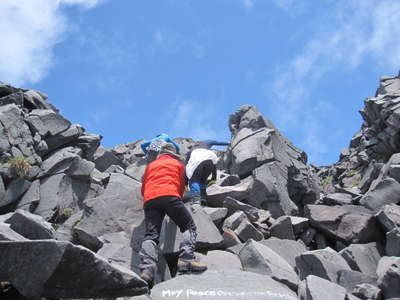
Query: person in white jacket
[201,163]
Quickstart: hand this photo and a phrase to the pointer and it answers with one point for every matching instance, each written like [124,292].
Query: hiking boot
[190,266]
[148,278]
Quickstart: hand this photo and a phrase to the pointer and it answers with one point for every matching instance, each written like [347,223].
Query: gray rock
[47,122]
[88,143]
[31,198]
[224,285]
[136,169]
[393,242]
[103,158]
[234,205]
[337,199]
[64,231]
[282,228]
[316,288]
[308,236]
[116,248]
[246,231]
[217,214]
[324,263]
[221,260]
[115,169]
[30,226]
[14,98]
[63,138]
[230,238]
[258,258]
[81,169]
[385,192]
[367,291]
[35,99]
[15,190]
[208,235]
[287,249]
[216,194]
[14,127]
[229,180]
[7,234]
[118,208]
[56,195]
[389,276]
[362,257]
[350,279]
[389,216]
[2,189]
[82,237]
[48,268]
[299,224]
[344,223]
[60,161]
[233,221]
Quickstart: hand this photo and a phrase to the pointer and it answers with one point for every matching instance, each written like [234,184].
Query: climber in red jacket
[163,185]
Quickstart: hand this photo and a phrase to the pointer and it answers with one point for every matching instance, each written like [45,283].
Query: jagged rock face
[282,182]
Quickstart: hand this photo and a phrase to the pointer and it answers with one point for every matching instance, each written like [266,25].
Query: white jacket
[197,157]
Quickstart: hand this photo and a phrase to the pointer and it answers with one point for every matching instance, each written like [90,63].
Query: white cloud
[352,33]
[29,31]
[192,119]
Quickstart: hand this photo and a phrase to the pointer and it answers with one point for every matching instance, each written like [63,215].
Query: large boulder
[388,272]
[316,288]
[385,192]
[256,257]
[15,190]
[349,224]
[220,260]
[60,161]
[217,194]
[47,122]
[224,285]
[389,217]
[287,249]
[325,263]
[282,181]
[7,234]
[362,257]
[30,226]
[49,268]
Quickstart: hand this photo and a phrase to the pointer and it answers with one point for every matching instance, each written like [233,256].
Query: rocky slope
[71,219]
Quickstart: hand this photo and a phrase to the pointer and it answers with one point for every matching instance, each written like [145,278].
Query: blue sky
[129,69]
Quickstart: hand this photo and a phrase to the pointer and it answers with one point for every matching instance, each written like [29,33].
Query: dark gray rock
[287,249]
[362,257]
[118,208]
[60,161]
[82,237]
[56,195]
[258,258]
[208,235]
[14,98]
[88,143]
[224,285]
[49,268]
[216,194]
[324,263]
[15,190]
[316,288]
[63,138]
[385,192]
[344,223]
[233,221]
[234,205]
[281,177]
[299,225]
[7,234]
[30,226]
[229,180]
[230,238]
[388,272]
[47,122]
[81,169]
[31,198]
[308,236]
[389,216]
[64,231]
[246,231]
[220,260]
[282,228]
[217,214]
[136,169]
[103,158]
[14,126]
[115,169]
[2,189]
[36,100]
[337,199]
[367,291]
[393,242]
[350,279]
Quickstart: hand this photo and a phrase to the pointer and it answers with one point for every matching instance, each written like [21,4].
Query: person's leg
[200,175]
[195,191]
[177,211]
[149,251]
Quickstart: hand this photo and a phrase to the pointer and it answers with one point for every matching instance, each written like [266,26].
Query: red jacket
[164,176]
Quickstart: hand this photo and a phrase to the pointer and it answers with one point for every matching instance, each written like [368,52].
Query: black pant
[155,211]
